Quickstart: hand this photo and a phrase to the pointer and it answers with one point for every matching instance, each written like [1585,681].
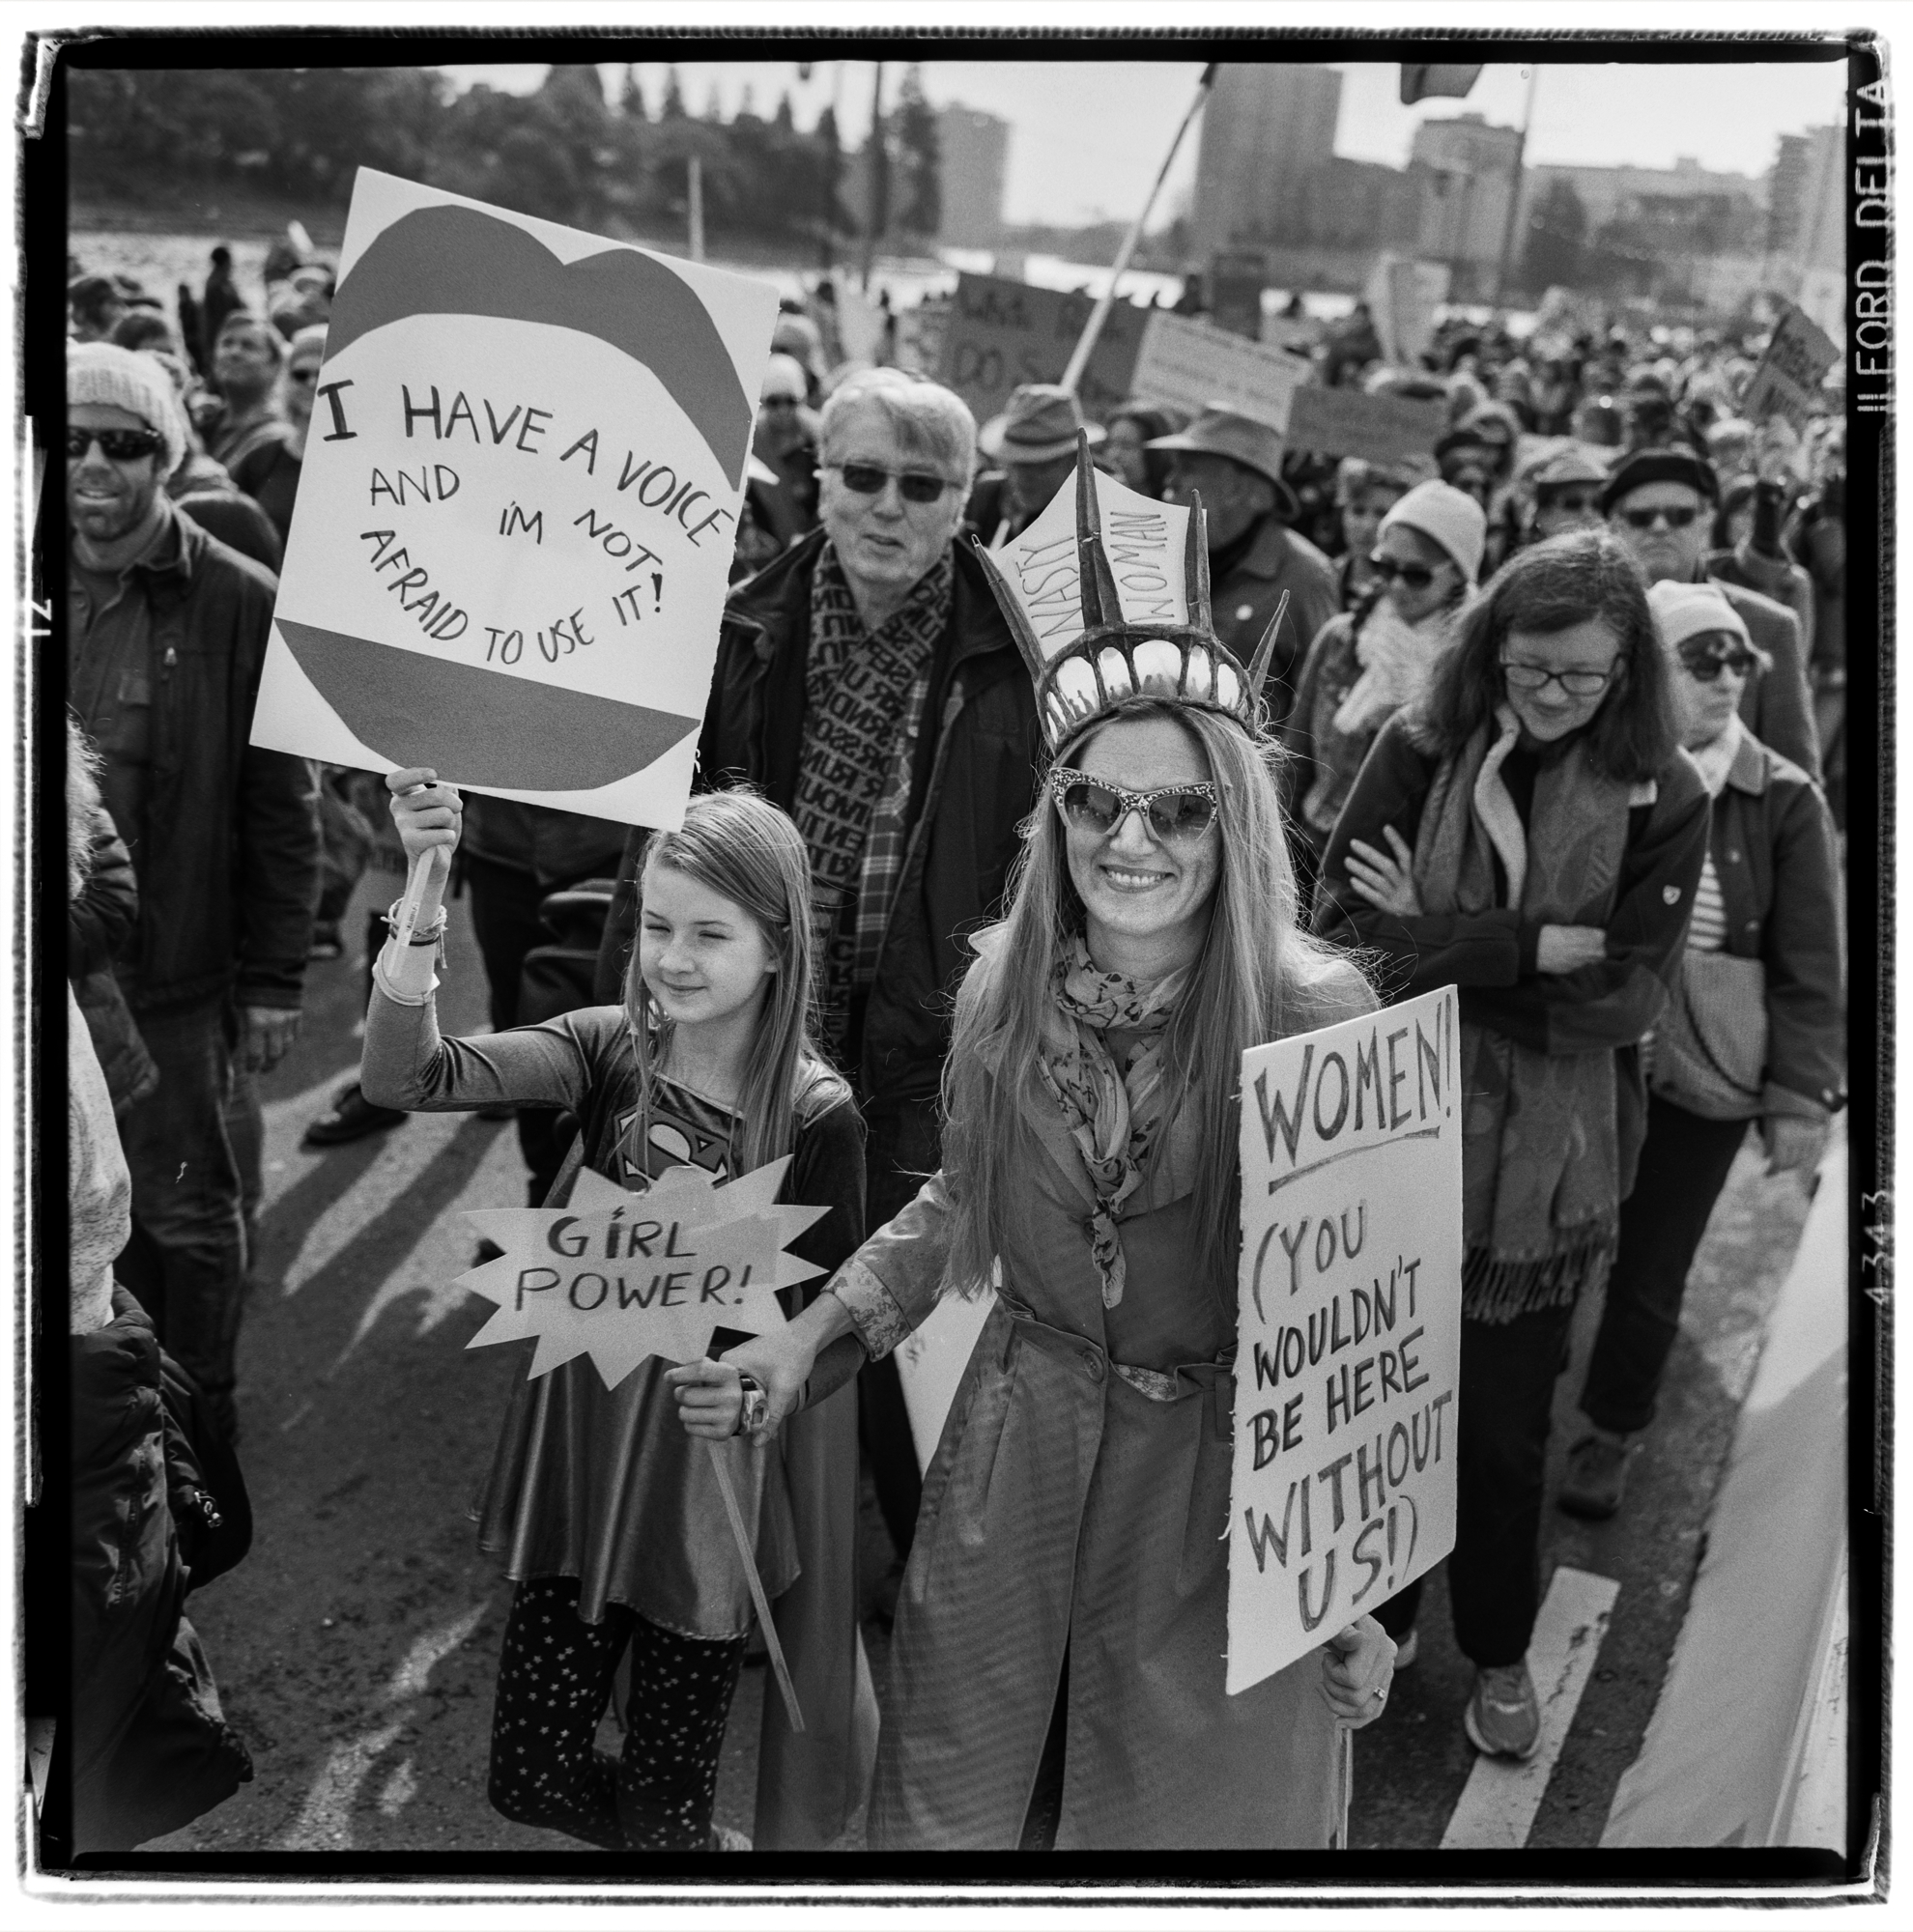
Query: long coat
[1066,1514]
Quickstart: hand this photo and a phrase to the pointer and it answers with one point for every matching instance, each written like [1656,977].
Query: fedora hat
[1243,439]
[1039,426]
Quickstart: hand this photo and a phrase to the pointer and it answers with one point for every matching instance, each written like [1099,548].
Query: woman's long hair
[1258,977]
[745,849]
[1550,588]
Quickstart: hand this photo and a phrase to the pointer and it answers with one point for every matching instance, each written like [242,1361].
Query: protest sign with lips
[1348,1328]
[620,1276]
[517,508]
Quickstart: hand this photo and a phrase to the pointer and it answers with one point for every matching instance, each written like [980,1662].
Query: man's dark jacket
[229,852]
[973,785]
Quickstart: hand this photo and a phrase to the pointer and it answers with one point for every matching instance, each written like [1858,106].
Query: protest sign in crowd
[1268,872]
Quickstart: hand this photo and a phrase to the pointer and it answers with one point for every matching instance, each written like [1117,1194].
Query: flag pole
[1079,357]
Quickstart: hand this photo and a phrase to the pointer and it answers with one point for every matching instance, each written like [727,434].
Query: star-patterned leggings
[555,1680]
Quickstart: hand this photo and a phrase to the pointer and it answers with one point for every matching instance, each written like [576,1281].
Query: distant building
[973,148]
[1267,140]
[1685,210]
[1464,171]
[1806,237]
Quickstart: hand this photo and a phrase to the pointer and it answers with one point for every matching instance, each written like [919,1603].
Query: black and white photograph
[977,963]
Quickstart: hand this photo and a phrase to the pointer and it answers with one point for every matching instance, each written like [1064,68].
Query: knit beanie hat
[102,372]
[1448,517]
[1683,610]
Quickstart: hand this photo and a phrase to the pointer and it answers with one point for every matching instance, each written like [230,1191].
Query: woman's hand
[711,1397]
[1357,1669]
[1387,882]
[427,815]
[1567,949]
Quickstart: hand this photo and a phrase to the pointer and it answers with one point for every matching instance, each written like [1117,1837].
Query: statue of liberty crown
[1115,659]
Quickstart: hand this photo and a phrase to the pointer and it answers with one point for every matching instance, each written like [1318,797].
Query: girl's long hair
[744,848]
[1258,977]
[1550,588]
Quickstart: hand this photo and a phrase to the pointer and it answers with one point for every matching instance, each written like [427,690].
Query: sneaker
[724,1838]
[352,1118]
[326,942]
[1407,1647]
[1502,1719]
[1596,1475]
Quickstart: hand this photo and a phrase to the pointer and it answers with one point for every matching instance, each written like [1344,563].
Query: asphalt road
[355,1647]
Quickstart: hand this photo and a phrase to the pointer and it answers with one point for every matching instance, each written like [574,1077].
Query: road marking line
[1499,1803]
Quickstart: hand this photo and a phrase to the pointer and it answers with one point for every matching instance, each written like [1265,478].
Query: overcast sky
[1098,156]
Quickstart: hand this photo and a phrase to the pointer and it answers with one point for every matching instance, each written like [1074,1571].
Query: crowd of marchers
[1553,713]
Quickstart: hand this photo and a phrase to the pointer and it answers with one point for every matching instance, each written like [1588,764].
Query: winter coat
[100,922]
[150,1749]
[1490,957]
[1065,1514]
[229,871]
[1773,852]
[1244,599]
[974,784]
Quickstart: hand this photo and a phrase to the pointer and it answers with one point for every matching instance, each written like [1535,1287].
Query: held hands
[1386,879]
[710,1398]
[1358,1668]
[427,815]
[1567,949]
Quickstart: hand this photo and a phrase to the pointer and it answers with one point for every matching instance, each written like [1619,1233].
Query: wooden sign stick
[757,1597]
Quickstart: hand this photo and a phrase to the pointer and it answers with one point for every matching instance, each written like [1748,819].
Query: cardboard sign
[1003,333]
[621,1276]
[1378,429]
[1191,366]
[1143,539]
[1402,299]
[1348,1327]
[518,507]
[1787,382]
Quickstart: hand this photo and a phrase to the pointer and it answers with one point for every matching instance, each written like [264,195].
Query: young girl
[608,1519]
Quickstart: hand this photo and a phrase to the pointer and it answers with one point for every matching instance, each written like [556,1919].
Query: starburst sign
[620,1276]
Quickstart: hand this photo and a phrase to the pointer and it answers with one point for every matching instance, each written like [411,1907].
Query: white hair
[927,418]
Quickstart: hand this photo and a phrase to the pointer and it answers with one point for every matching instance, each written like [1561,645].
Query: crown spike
[1013,614]
[1096,580]
[1195,564]
[1258,666]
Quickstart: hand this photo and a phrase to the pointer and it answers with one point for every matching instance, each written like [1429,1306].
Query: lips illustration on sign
[477,726]
[460,261]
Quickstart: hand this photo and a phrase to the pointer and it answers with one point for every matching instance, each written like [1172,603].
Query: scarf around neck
[1540,1135]
[1397,658]
[1113,1115]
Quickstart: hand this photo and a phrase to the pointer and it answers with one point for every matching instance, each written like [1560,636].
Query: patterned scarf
[857,689]
[1540,1137]
[1113,1116]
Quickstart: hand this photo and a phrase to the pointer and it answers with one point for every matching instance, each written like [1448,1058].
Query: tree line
[564,152]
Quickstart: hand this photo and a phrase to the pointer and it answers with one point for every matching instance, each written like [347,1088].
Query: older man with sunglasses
[166,637]
[1660,502]
[866,682]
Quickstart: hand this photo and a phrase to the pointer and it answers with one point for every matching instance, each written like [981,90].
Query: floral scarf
[1114,1115]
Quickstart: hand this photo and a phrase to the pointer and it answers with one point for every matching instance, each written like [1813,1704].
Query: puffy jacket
[99,923]
[229,872]
[1773,851]
[974,784]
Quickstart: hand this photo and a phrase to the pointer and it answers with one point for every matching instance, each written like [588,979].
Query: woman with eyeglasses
[1367,664]
[1755,1031]
[1531,833]
[1056,1673]
[270,469]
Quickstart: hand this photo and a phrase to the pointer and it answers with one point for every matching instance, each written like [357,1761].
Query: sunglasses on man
[915,486]
[1172,814]
[119,446]
[1677,517]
